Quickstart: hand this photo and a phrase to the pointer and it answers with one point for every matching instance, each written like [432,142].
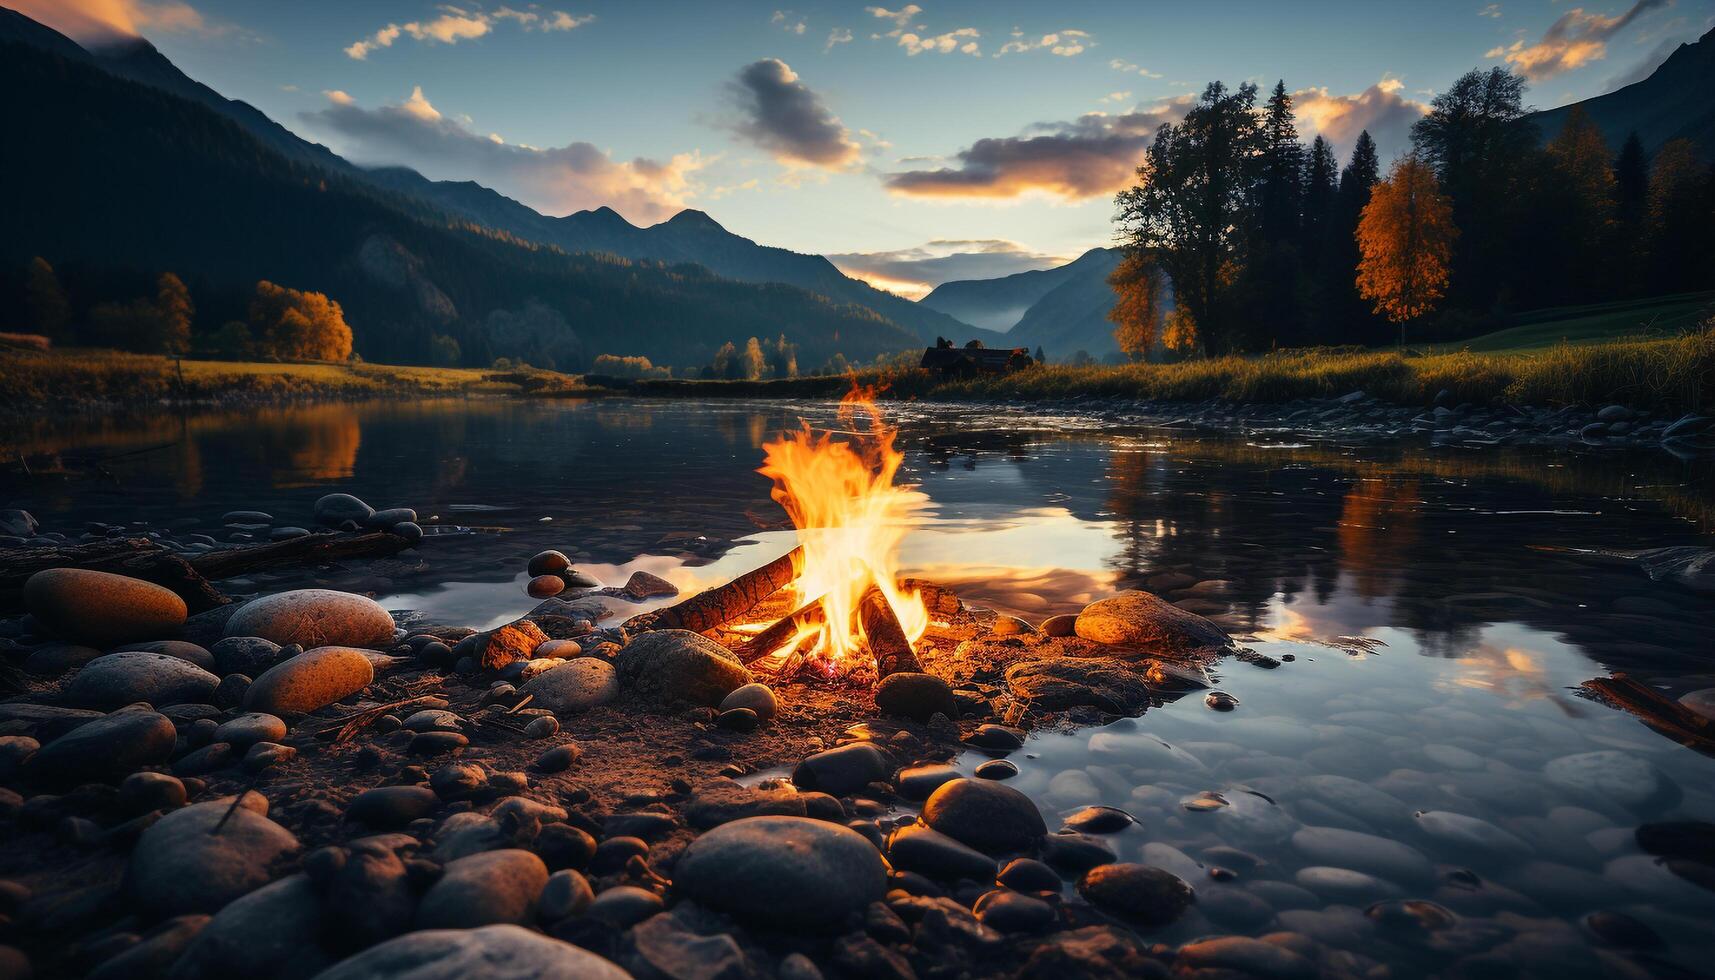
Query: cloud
[783,116]
[456,24]
[1066,43]
[1493,11]
[1120,64]
[1092,156]
[900,17]
[555,180]
[913,272]
[1571,42]
[839,35]
[1116,97]
[963,40]
[1381,109]
[100,22]
[789,22]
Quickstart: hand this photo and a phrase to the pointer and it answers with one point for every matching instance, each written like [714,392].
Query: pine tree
[1350,319]
[1631,216]
[1582,189]
[1282,169]
[1631,178]
[1682,218]
[1041,358]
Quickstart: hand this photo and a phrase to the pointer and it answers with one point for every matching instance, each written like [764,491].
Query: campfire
[851,615]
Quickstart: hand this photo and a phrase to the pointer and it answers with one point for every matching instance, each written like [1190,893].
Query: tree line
[1269,243]
[281,323]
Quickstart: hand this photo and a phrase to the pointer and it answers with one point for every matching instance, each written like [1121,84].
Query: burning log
[886,639]
[724,603]
[770,639]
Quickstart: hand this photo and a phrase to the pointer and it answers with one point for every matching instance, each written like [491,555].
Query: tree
[1321,186]
[782,358]
[173,301]
[299,325]
[1345,315]
[1041,358]
[136,325]
[619,366]
[49,310]
[1681,218]
[1180,333]
[1191,206]
[1631,214]
[1136,313]
[1282,170]
[1406,238]
[232,341]
[444,350]
[1631,177]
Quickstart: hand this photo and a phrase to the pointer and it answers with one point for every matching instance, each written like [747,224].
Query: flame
[850,517]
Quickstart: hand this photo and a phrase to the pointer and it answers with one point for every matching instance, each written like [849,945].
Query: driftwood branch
[769,640]
[305,550]
[1658,711]
[344,729]
[724,603]
[884,636]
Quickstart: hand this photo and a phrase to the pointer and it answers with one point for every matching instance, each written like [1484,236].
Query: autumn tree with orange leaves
[1136,315]
[1405,239]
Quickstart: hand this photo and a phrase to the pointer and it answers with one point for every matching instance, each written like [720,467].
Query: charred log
[770,639]
[724,603]
[884,636]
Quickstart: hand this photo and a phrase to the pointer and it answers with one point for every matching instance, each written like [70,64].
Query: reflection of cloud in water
[1509,672]
[1344,613]
[1036,561]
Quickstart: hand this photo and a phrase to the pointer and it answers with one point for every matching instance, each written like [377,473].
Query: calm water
[1441,605]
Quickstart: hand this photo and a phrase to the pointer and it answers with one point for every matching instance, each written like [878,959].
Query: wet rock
[311,680]
[1149,896]
[917,696]
[624,906]
[250,655]
[141,792]
[489,951]
[677,665]
[1471,837]
[1100,820]
[1062,625]
[545,586]
[987,815]
[917,782]
[119,679]
[995,738]
[1029,875]
[1619,777]
[548,563]
[738,720]
[1363,852]
[314,618]
[272,933]
[55,659]
[996,769]
[490,888]
[783,872]
[507,644]
[844,770]
[1249,957]
[1687,840]
[1108,684]
[1619,929]
[1143,621]
[558,650]
[182,864]
[1010,626]
[102,609]
[1344,884]
[566,894]
[573,686]
[916,847]
[646,586]
[544,726]
[334,509]
[1011,912]
[247,729]
[105,749]
[1076,853]
[182,649]
[757,697]
[392,807]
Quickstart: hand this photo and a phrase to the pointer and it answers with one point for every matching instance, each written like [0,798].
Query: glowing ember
[850,517]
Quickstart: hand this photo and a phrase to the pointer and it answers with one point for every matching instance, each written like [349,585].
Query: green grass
[1656,316]
[71,376]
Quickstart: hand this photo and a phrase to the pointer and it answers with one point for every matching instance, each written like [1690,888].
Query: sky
[911,144]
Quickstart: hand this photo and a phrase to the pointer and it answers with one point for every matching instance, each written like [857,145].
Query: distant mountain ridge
[1062,310]
[1677,101]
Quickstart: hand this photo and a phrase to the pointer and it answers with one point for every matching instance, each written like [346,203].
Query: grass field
[1656,316]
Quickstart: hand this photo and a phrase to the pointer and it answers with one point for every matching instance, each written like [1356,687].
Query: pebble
[987,815]
[677,665]
[266,755]
[141,792]
[783,872]
[558,650]
[1247,957]
[311,680]
[614,853]
[757,697]
[573,686]
[563,846]
[55,659]
[314,618]
[917,696]
[1362,852]
[548,563]
[210,758]
[1030,876]
[646,586]
[463,953]
[738,720]
[119,679]
[1146,895]
[844,770]
[558,759]
[1345,884]
[392,807]
[1010,626]
[1143,621]
[250,655]
[1010,912]
[545,586]
[1074,852]
[334,509]
[566,894]
[490,888]
[996,769]
[108,748]
[1100,820]
[1062,625]
[436,743]
[916,847]
[180,865]
[1469,837]
[995,738]
[102,609]
[249,728]
[542,726]
[1619,777]
[182,649]
[623,906]
[272,933]
[383,519]
[917,782]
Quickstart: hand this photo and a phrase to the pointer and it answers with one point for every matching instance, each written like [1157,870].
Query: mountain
[1677,101]
[126,179]
[1062,310]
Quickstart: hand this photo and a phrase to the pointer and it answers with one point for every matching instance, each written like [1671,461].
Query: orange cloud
[1571,42]
[100,22]
[1380,109]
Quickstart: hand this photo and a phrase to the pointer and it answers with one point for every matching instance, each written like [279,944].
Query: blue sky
[912,143]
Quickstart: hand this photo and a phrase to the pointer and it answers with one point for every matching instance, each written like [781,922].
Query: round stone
[490,888]
[548,563]
[102,609]
[314,618]
[918,696]
[189,652]
[1100,820]
[119,679]
[1466,836]
[1146,895]
[57,658]
[1062,625]
[1244,956]
[1623,778]
[334,509]
[248,729]
[558,650]
[1340,848]
[996,769]
[566,894]
[545,586]
[1008,911]
[249,655]
[313,679]
[1700,701]
[783,872]
[738,720]
[141,792]
[916,847]
[490,951]
[678,665]
[987,815]
[573,686]
[1139,619]
[108,748]
[757,697]
[392,807]
[182,866]
[843,770]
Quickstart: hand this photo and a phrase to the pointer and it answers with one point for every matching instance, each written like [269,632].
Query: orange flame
[850,518]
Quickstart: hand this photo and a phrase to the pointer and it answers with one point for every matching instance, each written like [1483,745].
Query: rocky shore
[307,784]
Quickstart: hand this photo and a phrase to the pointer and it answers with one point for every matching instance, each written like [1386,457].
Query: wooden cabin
[974,358]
